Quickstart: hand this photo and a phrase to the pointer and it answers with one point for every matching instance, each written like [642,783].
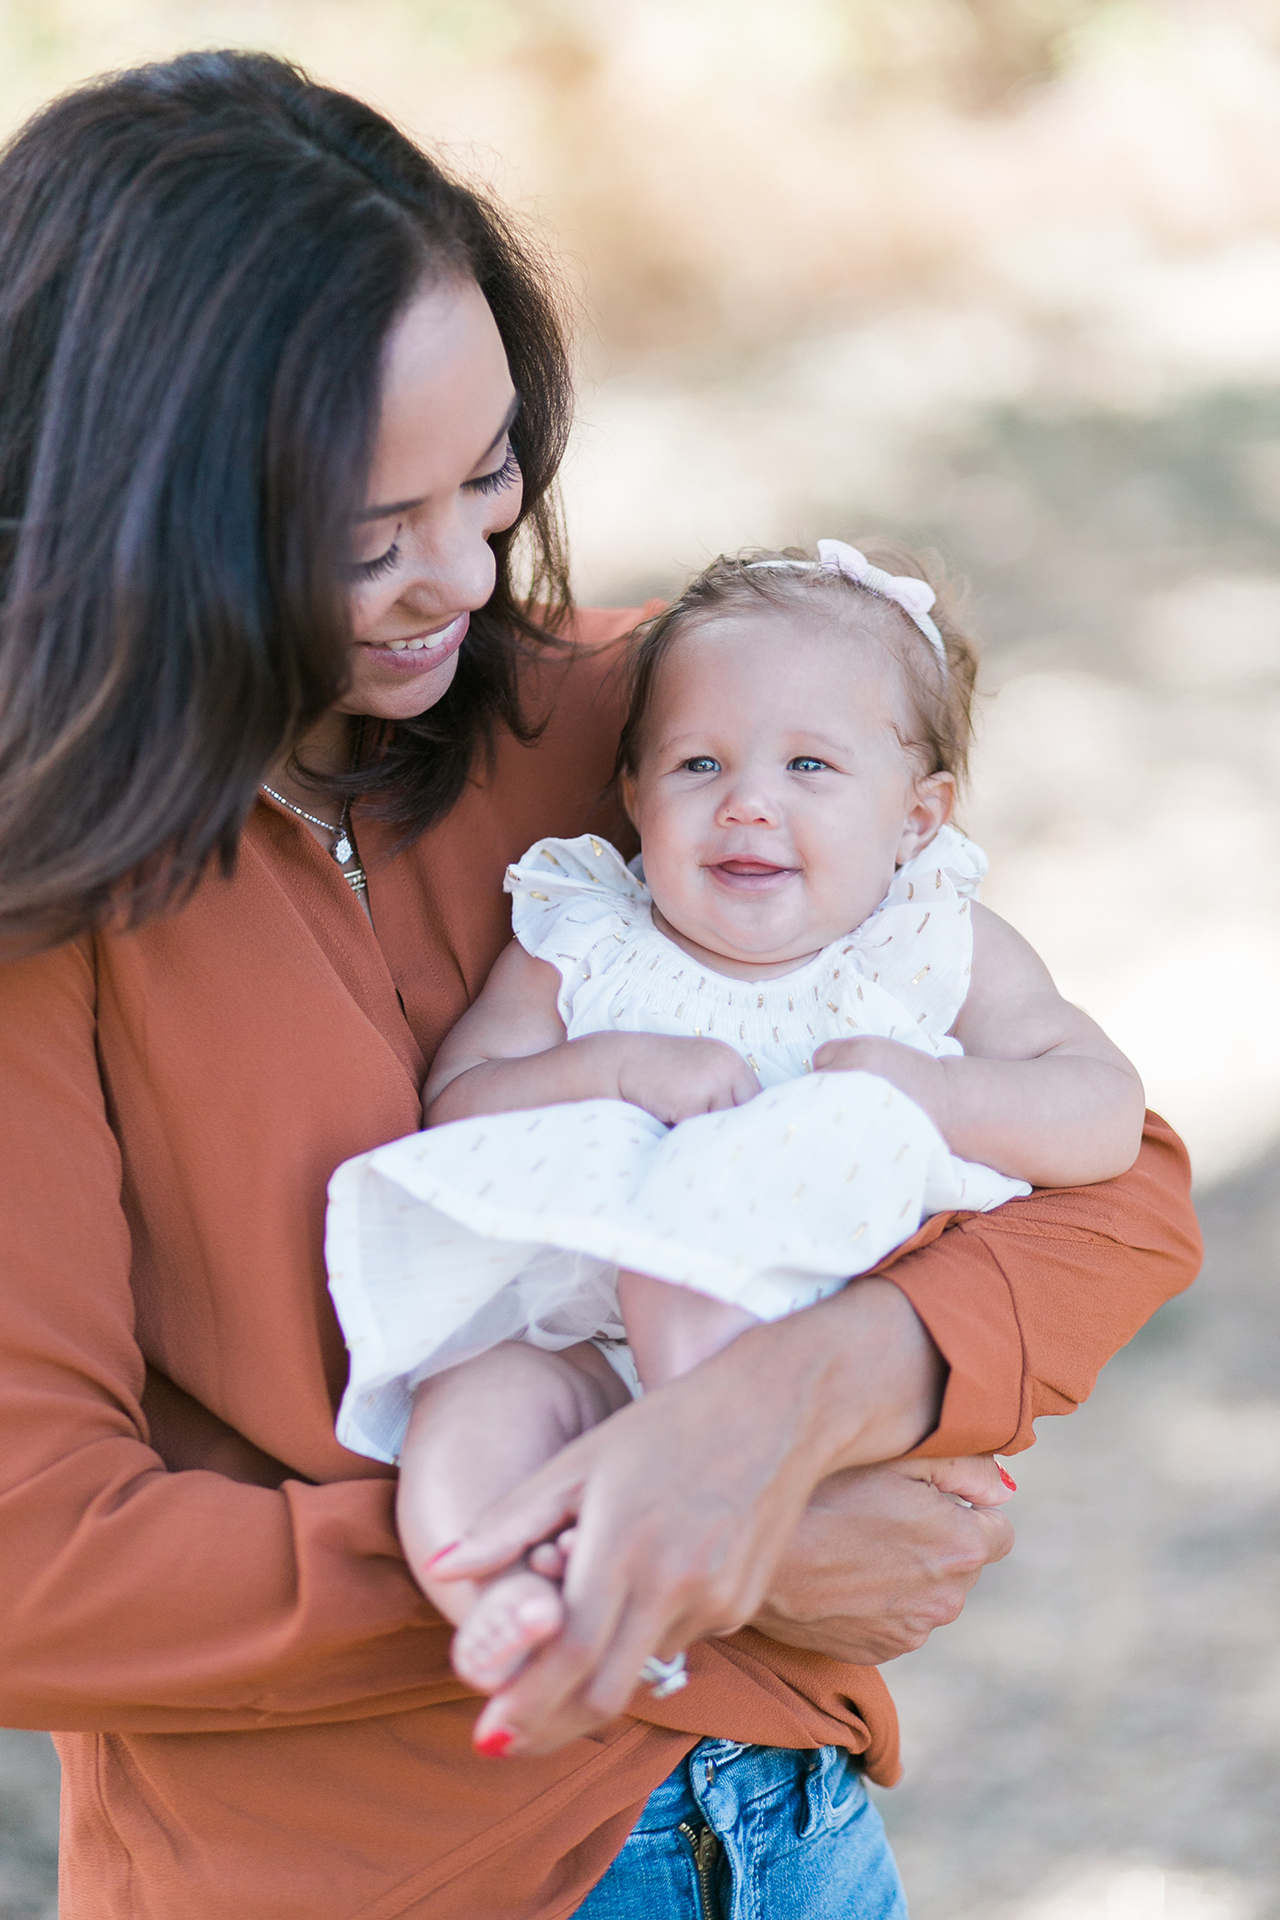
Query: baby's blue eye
[701,763]
[805,763]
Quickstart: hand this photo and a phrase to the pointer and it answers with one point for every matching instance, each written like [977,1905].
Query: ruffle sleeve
[918,944]
[572,904]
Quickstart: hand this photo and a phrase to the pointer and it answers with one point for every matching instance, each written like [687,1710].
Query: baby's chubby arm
[510,1050]
[1040,1093]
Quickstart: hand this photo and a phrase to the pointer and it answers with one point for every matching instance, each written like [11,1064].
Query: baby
[705,1092]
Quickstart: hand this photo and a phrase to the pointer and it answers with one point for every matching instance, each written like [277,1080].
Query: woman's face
[444,478]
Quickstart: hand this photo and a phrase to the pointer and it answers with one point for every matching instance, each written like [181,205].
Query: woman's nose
[456,571]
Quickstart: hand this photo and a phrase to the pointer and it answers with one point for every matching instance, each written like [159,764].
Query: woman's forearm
[853,1380]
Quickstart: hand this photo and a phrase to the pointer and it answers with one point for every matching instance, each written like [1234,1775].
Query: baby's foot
[516,1613]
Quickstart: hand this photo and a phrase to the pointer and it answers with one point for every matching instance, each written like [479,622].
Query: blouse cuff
[965,1303]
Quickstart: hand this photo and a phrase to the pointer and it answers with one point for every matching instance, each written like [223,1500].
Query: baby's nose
[750,802]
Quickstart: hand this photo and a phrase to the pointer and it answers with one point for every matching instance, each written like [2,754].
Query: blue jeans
[754,1833]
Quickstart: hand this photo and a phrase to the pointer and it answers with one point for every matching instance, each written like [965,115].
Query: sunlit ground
[1002,278]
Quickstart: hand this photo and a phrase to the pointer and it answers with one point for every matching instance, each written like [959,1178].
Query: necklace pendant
[343,849]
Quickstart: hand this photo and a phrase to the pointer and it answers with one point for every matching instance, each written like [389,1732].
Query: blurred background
[1002,278]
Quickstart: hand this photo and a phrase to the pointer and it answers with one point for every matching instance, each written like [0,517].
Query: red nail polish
[495,1745]
[428,1564]
[1007,1478]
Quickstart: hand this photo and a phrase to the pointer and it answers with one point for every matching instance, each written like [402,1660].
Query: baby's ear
[932,804]
[627,794]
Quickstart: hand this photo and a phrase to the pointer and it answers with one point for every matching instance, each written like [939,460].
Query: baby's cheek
[671,870]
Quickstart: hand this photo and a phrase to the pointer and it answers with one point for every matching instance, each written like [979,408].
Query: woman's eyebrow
[406,506]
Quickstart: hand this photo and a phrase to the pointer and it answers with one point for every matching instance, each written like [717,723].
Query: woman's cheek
[505,508]
[367,606]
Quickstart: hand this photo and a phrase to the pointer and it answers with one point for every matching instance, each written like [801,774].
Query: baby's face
[774,797]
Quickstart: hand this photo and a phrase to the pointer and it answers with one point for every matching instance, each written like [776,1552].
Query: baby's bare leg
[476,1431]
[670,1328]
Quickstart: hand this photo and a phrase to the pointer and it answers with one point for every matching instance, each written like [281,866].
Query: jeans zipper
[706,1853]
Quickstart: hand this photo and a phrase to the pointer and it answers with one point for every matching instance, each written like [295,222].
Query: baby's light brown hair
[790,581]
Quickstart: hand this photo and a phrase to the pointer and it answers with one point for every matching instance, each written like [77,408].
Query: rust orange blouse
[199,1588]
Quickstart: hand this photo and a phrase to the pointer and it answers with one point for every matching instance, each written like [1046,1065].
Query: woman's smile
[418,652]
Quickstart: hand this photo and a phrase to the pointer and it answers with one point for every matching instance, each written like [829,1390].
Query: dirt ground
[1099,1735]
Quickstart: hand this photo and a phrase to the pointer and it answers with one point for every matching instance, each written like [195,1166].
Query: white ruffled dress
[513,1225]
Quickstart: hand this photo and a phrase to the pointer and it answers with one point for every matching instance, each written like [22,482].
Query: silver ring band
[664,1677]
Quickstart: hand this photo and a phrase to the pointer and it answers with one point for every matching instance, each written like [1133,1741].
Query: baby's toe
[549,1559]
[515,1614]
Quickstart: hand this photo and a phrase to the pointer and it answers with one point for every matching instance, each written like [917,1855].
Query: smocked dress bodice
[902,975]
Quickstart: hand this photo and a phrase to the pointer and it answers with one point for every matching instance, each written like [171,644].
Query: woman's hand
[686,1501]
[883,1555]
[682,1507]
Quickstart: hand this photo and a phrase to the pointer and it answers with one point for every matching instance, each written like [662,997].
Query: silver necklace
[342,849]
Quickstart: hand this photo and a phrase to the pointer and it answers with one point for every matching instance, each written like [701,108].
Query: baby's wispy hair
[790,580]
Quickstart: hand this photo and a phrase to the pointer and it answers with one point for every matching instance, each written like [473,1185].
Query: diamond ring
[664,1676]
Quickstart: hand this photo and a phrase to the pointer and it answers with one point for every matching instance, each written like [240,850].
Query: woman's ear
[932,803]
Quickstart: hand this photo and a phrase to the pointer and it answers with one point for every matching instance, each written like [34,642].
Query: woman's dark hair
[200,263]
[939,727]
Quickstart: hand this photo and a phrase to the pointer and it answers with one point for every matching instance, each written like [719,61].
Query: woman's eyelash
[500,477]
[374,569]
[485,483]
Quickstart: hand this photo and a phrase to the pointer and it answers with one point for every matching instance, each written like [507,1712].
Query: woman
[274,718]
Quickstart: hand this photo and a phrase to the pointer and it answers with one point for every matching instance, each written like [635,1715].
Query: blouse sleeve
[133,1598]
[1027,1304]
[570,900]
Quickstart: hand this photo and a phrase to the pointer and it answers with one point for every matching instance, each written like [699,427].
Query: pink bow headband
[915,597]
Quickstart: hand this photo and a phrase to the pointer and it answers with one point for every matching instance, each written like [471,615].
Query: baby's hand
[919,1075]
[673,1078]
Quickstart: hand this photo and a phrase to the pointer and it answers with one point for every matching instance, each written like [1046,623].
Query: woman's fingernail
[495,1745]
[440,1554]
[1008,1478]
